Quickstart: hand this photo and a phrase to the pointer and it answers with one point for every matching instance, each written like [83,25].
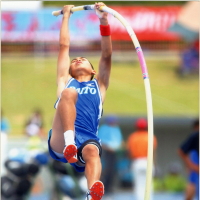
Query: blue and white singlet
[88,110]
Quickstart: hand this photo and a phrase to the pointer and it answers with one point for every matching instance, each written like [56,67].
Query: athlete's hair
[90,64]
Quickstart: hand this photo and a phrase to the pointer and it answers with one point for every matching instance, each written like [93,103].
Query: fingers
[67,8]
[100,13]
[98,5]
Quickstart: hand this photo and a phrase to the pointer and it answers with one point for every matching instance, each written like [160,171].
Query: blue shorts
[79,154]
[193,177]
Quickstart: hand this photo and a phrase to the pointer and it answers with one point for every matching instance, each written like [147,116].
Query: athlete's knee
[69,94]
[90,151]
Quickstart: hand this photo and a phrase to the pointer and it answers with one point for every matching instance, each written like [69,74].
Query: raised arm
[63,62]
[106,52]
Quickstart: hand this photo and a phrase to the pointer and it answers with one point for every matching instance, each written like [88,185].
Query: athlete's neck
[83,78]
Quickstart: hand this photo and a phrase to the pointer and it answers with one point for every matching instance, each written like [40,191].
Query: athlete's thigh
[57,138]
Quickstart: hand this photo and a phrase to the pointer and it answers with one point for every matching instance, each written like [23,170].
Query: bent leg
[64,119]
[67,108]
[92,164]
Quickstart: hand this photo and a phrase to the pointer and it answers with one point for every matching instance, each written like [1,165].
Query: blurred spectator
[174,181]
[190,59]
[111,140]
[193,178]
[124,174]
[5,128]
[34,129]
[137,145]
[5,125]
[34,125]
[189,152]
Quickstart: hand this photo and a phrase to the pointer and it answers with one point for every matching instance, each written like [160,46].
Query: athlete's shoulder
[71,82]
[71,79]
[96,81]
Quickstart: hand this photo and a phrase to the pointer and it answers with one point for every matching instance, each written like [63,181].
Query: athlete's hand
[99,13]
[67,10]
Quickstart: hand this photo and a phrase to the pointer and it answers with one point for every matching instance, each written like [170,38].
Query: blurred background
[168,32]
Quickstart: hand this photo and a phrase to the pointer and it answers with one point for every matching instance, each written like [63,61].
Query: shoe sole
[97,190]
[69,152]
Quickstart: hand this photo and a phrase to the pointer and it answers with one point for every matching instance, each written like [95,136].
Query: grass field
[29,82]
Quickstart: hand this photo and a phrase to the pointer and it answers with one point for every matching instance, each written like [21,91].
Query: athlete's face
[81,63]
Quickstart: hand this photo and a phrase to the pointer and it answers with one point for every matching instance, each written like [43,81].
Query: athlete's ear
[93,72]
